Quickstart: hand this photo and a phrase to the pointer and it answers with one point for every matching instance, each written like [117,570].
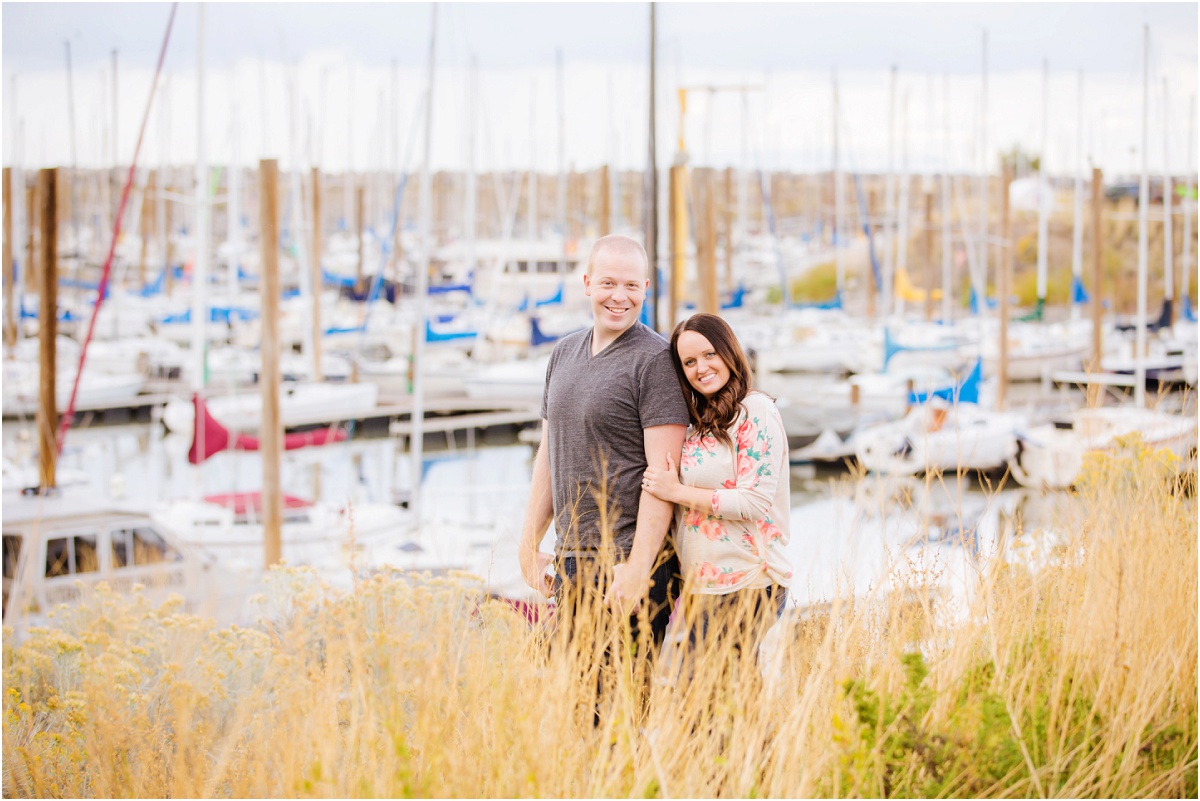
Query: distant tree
[1020,161]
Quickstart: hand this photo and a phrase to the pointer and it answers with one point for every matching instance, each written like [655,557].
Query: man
[612,404]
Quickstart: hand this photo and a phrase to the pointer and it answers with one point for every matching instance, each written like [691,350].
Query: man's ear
[587,284]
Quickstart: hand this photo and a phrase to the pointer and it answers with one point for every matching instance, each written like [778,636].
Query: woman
[731,491]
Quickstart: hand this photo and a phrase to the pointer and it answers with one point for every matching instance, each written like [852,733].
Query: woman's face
[703,367]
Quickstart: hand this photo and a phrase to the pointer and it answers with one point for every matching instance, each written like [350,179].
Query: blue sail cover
[738,297]
[834,303]
[64,315]
[345,329]
[965,392]
[1078,291]
[891,347]
[216,314]
[445,289]
[538,337]
[553,300]
[330,279]
[991,302]
[449,336]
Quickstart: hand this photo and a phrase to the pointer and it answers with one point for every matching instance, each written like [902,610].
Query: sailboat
[1051,456]
[943,435]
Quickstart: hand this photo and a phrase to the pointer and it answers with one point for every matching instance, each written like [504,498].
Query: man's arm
[539,511]
[631,579]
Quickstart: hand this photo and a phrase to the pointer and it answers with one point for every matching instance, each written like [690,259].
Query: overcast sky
[341,56]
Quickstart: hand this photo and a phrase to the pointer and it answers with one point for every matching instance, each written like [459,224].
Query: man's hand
[630,584]
[538,513]
[533,570]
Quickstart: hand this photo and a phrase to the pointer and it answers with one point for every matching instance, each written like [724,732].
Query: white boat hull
[966,438]
[1052,457]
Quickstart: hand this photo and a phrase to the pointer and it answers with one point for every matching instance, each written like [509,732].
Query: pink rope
[69,416]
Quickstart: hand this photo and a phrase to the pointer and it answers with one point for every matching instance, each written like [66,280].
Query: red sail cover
[217,437]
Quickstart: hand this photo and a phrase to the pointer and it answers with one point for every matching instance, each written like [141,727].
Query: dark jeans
[719,628]
[581,582]
[744,615]
[579,589]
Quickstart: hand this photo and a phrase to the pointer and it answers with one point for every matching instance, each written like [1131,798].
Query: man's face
[617,286]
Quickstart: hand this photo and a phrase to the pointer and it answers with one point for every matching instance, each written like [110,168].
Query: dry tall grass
[1073,674]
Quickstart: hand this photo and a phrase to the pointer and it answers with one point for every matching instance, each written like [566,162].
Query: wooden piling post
[10,274]
[316,274]
[677,242]
[272,427]
[47,410]
[727,209]
[576,207]
[929,280]
[168,248]
[605,202]
[1094,395]
[147,224]
[1004,289]
[706,245]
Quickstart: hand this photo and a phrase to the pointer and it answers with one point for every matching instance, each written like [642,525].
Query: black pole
[652,191]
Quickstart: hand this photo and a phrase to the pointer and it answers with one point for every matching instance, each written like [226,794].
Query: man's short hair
[620,243]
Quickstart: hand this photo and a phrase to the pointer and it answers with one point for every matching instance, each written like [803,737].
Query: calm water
[846,531]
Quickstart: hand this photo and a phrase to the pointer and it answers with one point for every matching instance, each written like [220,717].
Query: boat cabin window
[12,558]
[530,266]
[140,545]
[66,556]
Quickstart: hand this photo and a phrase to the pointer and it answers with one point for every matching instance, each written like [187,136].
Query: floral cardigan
[741,544]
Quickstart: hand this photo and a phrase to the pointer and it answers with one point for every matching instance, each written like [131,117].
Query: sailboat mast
[562,163]
[1077,239]
[839,199]
[1043,241]
[1189,208]
[18,188]
[946,245]
[982,266]
[426,204]
[1139,353]
[889,215]
[74,152]
[200,266]
[114,140]
[743,169]
[469,212]
[104,185]
[651,221]
[532,205]
[164,183]
[1168,238]
[902,225]
[17,178]
[348,178]
[234,206]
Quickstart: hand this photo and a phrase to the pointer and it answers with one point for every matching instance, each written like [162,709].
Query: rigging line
[764,180]
[385,249]
[866,219]
[102,289]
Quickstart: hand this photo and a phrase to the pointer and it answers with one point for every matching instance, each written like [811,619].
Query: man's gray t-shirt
[596,408]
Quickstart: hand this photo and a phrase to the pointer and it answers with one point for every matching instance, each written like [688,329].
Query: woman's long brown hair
[712,416]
